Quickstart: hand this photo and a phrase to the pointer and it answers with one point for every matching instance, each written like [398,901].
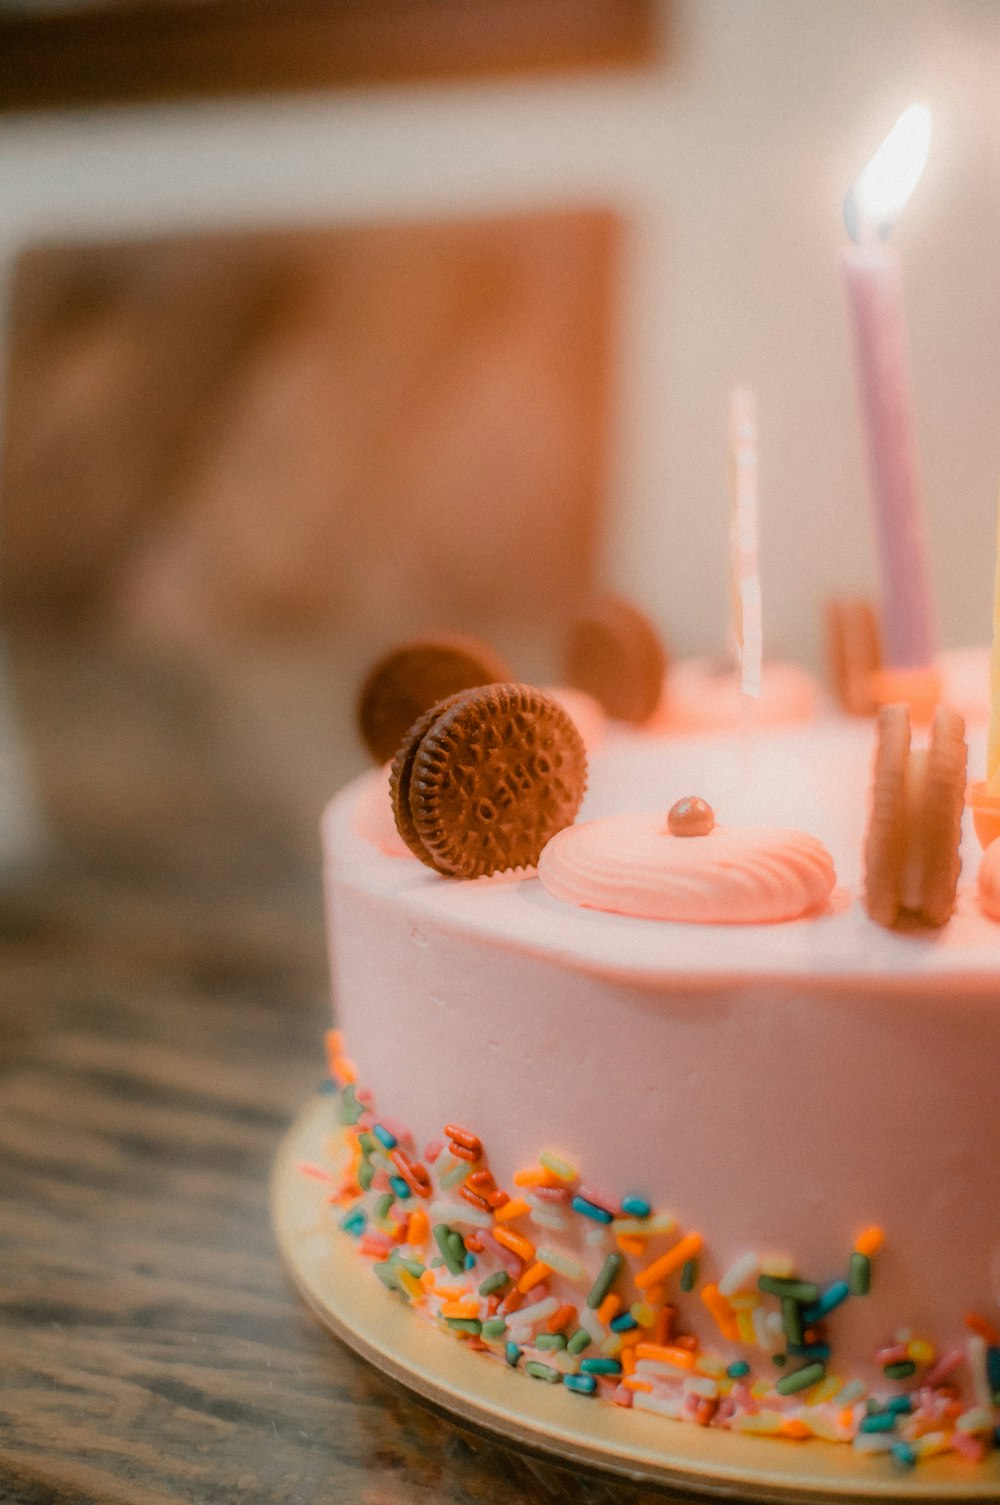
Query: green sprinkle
[458,1173]
[383,1204]
[465,1325]
[383,1269]
[350,1109]
[900,1371]
[800,1379]
[689,1274]
[580,1340]
[412,1266]
[456,1244]
[779,1358]
[550,1340]
[368,1143]
[542,1372]
[606,1278]
[442,1237]
[366,1174]
[860,1274]
[791,1320]
[493,1283]
[495,1327]
[789,1289]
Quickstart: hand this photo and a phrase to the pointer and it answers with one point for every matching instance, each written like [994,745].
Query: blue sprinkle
[384,1137]
[511,1353]
[580,1204]
[623,1323]
[600,1366]
[885,1421]
[635,1206]
[831,1298]
[399,1186]
[583,1384]
[993,1367]
[738,1369]
[903,1453]
[328,1086]
[470,1260]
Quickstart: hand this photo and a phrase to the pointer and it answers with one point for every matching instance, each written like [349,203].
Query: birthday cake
[663,1115]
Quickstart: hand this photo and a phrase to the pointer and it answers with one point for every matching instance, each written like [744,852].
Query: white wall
[730,163]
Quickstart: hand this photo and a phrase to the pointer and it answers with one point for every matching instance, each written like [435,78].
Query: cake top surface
[814,778]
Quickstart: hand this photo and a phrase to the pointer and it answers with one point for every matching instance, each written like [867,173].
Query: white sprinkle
[592,1324]
[975,1347]
[697,1384]
[538,1312]
[557,1260]
[546,1217]
[874,1442]
[459,1212]
[666,1405]
[740,1274]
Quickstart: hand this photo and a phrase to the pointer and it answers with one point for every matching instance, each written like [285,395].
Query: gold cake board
[340,1288]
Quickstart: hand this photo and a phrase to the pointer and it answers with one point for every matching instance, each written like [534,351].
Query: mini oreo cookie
[414,676]
[401,772]
[615,654]
[914,832]
[854,653]
[497,772]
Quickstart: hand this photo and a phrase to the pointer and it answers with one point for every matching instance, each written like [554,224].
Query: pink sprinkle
[366,1121]
[380,1181]
[398,1212]
[946,1364]
[743,1397]
[433,1150]
[551,1193]
[970,1447]
[375,1243]
[895,1355]
[366,1096]
[511,1262]
[622,1397]
[591,1194]
[317,1172]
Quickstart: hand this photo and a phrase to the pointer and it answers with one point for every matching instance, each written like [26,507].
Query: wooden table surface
[162,1000]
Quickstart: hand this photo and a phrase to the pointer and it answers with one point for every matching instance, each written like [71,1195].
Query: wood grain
[162,998]
[178,49]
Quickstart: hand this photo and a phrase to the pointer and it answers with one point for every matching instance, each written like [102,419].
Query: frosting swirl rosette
[734,875]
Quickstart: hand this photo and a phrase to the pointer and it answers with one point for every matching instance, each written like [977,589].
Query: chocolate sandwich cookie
[414,676]
[488,778]
[911,851]
[615,654]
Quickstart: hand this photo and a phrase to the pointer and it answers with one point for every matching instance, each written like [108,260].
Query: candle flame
[882,190]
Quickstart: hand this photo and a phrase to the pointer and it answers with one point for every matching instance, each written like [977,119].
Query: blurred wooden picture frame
[86,52]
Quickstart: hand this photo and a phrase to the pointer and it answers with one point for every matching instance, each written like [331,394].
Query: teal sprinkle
[384,1137]
[512,1353]
[689,1274]
[493,1283]
[635,1206]
[400,1187]
[542,1372]
[580,1340]
[904,1454]
[859,1276]
[901,1404]
[583,1384]
[737,1370]
[354,1222]
[470,1260]
[885,1421]
[600,1366]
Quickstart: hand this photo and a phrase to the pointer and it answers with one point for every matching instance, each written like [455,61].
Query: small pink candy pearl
[690,816]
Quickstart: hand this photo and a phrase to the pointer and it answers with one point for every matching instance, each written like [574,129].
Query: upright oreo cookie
[414,676]
[854,653]
[487,779]
[615,654]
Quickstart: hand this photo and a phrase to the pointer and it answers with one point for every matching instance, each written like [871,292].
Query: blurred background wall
[726,162]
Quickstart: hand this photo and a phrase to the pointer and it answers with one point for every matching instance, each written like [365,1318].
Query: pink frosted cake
[742,1174]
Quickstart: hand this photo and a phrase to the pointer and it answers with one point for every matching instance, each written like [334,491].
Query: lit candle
[873,279]
[743,549]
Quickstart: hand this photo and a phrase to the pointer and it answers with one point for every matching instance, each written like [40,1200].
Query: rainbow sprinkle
[462,1251]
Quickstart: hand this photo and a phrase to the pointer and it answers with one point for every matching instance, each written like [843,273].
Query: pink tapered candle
[873,279]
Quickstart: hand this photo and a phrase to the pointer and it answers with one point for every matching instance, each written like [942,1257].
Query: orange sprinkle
[656,1295]
[512,1300]
[846,1417]
[665,1353]
[463,1308]
[474,1199]
[633,1382]
[516,1243]
[870,1241]
[427,1279]
[688,1247]
[461,1136]
[462,1152]
[334,1042]
[533,1276]
[537,1176]
[609,1307]
[630,1245]
[515,1208]
[345,1069]
[686,1340]
[795,1429]
[722,1312]
[666,1322]
[561,1318]
[981,1325]
[627,1356]
[473,1243]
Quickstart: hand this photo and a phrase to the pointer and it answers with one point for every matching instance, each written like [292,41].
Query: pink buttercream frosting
[373,817]
[988,881]
[632,865]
